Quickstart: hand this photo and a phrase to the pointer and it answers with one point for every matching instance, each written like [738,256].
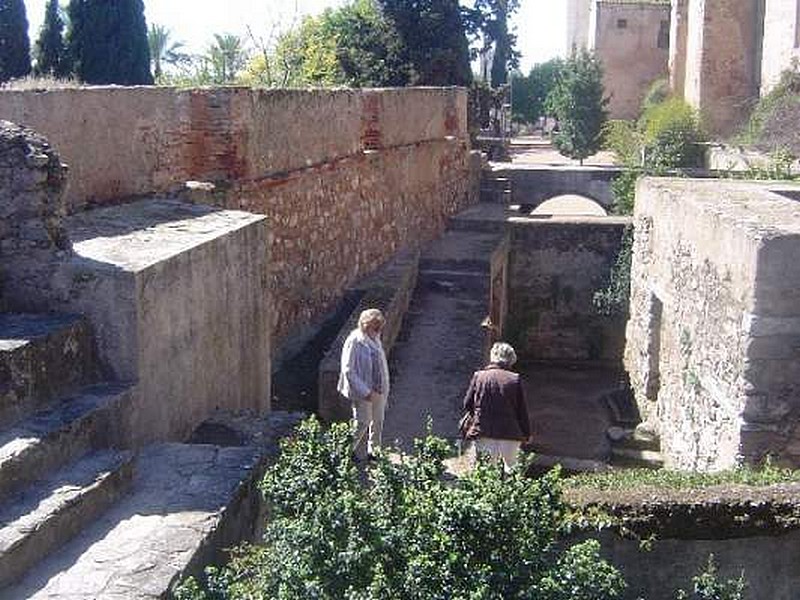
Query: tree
[108,42]
[51,53]
[226,57]
[434,37]
[529,94]
[163,50]
[579,104]
[488,20]
[15,47]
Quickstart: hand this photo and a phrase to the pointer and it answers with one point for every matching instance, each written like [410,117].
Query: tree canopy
[15,47]
[51,53]
[108,42]
[579,103]
[529,93]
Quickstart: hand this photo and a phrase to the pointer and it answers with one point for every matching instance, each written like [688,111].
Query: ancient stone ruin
[178,290]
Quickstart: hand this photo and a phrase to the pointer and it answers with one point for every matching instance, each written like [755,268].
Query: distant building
[631,38]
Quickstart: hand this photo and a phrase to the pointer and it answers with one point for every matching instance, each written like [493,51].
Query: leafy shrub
[707,586]
[773,123]
[671,136]
[407,534]
[612,300]
[658,92]
[625,141]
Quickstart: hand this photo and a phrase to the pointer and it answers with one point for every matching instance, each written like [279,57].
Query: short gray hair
[503,354]
[368,316]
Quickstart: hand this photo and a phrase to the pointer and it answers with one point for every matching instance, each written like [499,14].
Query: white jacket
[364,368]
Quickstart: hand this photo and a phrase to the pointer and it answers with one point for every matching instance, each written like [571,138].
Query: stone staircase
[80,517]
[495,188]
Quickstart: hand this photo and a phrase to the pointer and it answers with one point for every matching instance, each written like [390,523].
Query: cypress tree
[15,47]
[51,56]
[108,42]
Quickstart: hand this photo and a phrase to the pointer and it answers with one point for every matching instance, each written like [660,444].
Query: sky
[540,24]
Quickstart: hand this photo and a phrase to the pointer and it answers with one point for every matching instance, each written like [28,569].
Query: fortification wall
[712,335]
[555,267]
[346,177]
[632,40]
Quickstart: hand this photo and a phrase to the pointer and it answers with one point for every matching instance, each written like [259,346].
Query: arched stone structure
[570,204]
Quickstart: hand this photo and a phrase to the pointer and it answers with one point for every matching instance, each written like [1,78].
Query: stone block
[179,299]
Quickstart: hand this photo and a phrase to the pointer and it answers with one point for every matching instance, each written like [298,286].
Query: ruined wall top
[122,142]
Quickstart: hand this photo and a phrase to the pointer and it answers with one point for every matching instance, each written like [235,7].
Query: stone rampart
[713,332]
[555,267]
[347,177]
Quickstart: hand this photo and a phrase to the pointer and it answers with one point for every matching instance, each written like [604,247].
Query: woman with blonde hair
[364,380]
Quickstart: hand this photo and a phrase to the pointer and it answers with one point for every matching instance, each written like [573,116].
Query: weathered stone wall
[632,41]
[722,60]
[32,207]
[712,335]
[781,40]
[346,177]
[530,186]
[555,266]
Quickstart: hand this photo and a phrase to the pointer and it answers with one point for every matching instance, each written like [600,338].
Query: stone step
[187,503]
[87,420]
[42,356]
[51,512]
[633,458]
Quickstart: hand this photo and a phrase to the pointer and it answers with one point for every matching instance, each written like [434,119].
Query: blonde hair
[368,316]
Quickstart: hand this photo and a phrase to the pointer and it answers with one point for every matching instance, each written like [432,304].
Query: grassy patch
[628,479]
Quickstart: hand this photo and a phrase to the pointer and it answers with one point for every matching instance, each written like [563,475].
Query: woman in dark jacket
[495,413]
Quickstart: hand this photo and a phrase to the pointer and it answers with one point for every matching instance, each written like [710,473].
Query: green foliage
[612,300]
[108,42]
[579,105]
[15,47]
[764,475]
[51,53]
[433,38]
[164,51]
[407,534]
[225,58]
[773,123]
[707,586]
[487,21]
[529,93]
[671,136]
[658,92]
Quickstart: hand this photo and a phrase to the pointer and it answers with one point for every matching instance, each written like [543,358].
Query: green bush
[671,135]
[773,123]
[658,92]
[706,585]
[407,534]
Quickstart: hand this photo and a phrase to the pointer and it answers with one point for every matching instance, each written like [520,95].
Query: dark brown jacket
[496,404]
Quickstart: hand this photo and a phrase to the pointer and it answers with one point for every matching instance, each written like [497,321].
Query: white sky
[541,24]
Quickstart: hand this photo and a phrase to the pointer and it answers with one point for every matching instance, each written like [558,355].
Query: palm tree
[227,56]
[163,50]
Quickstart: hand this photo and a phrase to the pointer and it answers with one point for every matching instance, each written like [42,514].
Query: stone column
[677,46]
[721,64]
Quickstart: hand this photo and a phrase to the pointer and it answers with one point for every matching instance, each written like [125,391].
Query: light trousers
[368,425]
[505,450]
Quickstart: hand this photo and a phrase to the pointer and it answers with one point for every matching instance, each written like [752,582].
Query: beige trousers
[505,450]
[368,426]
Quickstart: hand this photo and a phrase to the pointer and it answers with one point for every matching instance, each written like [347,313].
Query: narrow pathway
[442,341]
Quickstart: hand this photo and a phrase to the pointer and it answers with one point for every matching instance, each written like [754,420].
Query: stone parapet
[712,334]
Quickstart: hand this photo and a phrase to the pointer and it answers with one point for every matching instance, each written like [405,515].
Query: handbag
[464,424]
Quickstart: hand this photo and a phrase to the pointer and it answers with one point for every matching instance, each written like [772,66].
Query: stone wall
[555,266]
[531,185]
[347,177]
[32,208]
[712,337]
[781,40]
[632,41]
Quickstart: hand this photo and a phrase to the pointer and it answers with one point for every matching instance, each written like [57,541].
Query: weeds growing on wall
[612,300]
[773,124]
[707,585]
